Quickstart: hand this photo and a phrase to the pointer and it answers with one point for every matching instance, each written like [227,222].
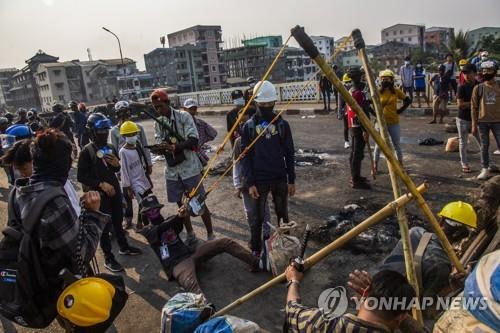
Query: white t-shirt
[132,172]
[73,197]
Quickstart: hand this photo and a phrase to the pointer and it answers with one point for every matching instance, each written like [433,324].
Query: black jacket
[93,170]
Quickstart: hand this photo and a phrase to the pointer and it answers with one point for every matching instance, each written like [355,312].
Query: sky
[66,28]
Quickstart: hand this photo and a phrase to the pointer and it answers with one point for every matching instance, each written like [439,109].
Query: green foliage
[459,46]
[492,45]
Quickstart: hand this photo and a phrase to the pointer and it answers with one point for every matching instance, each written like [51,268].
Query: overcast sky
[66,28]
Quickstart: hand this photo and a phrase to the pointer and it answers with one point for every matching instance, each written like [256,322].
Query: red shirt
[352,118]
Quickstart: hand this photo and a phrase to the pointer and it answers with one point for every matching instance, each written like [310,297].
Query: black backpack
[25,295]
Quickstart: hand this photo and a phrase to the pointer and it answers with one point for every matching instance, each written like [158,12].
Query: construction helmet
[19,131]
[86,302]
[463,62]
[128,127]
[266,93]
[98,121]
[461,212]
[386,73]
[122,105]
[346,78]
[57,107]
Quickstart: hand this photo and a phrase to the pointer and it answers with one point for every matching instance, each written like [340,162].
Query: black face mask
[488,76]
[387,84]
[101,139]
[266,112]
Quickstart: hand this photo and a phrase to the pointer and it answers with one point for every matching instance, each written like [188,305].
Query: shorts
[177,188]
[420,89]
[408,90]
[440,105]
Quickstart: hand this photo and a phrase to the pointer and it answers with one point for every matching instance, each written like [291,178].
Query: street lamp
[119,46]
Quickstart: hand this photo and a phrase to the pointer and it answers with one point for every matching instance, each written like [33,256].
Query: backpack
[25,295]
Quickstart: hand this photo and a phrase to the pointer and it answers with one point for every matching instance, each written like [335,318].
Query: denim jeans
[395,134]
[484,134]
[251,213]
[464,128]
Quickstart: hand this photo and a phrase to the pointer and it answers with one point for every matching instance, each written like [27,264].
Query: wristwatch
[292,282]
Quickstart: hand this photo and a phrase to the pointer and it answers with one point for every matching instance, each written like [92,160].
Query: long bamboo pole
[388,210]
[307,44]
[359,43]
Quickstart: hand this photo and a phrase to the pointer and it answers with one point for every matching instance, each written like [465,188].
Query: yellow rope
[245,151]
[240,116]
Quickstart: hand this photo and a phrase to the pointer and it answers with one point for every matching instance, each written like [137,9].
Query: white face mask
[131,140]
[407,63]
[239,101]
[484,58]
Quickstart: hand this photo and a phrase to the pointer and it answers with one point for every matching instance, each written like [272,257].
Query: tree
[460,46]
[492,45]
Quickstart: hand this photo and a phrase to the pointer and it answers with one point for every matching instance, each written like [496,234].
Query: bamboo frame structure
[306,43]
[388,210]
[359,43]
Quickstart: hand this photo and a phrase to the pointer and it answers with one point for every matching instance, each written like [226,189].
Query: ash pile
[380,238]
[311,157]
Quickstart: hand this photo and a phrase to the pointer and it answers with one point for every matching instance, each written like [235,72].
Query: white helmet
[189,103]
[120,105]
[267,92]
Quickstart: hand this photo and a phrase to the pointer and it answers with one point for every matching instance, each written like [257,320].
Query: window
[215,79]
[61,98]
[386,34]
[60,85]
[214,69]
[409,39]
[401,39]
[400,32]
[57,72]
[409,31]
[394,32]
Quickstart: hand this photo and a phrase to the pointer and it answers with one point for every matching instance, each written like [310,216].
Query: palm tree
[459,46]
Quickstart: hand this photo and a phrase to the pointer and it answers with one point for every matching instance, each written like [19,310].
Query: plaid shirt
[57,231]
[207,133]
[301,319]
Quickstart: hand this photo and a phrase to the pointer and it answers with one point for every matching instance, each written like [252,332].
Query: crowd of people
[114,167]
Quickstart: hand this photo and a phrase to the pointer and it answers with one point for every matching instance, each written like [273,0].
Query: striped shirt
[301,319]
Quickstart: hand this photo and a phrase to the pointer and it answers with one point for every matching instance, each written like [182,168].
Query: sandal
[466,169]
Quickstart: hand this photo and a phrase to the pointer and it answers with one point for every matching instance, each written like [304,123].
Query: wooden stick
[306,43]
[396,190]
[388,210]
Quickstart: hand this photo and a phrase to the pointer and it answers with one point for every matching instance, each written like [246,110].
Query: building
[391,55]
[404,33]
[207,39]
[475,36]
[267,41]
[438,36]
[24,90]
[191,74]
[161,64]
[343,45]
[326,47]
[5,77]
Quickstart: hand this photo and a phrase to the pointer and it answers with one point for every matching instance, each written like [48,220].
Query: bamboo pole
[321,254]
[359,43]
[306,43]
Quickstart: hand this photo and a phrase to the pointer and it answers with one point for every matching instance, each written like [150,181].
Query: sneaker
[211,237]
[496,152]
[493,168]
[484,174]
[361,185]
[191,239]
[130,251]
[432,122]
[347,145]
[113,265]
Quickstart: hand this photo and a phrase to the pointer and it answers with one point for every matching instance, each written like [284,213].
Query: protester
[385,284]
[358,133]
[461,75]
[123,114]
[389,96]
[451,74]
[339,73]
[419,78]
[269,166]
[476,60]
[325,87]
[22,116]
[80,116]
[440,84]
[406,73]
[62,121]
[485,105]
[13,134]
[464,120]
[206,132]
[183,168]
[249,92]
[232,116]
[135,180]
[97,167]
[178,260]
[33,122]
[342,109]
[10,118]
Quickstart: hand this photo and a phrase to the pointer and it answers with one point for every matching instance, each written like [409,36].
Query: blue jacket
[272,158]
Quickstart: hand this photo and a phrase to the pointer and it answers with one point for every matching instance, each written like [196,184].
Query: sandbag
[184,312]
[452,145]
[279,249]
[228,324]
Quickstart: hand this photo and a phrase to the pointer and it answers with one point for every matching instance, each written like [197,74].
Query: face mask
[419,66]
[131,140]
[488,76]
[407,63]
[239,101]
[101,138]
[387,84]
[484,58]
[154,216]
[267,111]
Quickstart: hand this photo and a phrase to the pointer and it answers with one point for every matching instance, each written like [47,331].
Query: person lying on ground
[385,284]
[178,260]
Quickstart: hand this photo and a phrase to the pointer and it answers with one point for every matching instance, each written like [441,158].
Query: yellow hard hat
[128,127]
[460,212]
[386,73]
[86,302]
[463,62]
[346,78]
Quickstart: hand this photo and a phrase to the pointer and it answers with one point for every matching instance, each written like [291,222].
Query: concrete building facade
[161,64]
[208,39]
[475,36]
[438,36]
[343,44]
[411,34]
[5,77]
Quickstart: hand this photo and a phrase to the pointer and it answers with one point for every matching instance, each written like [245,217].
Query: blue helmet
[19,131]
